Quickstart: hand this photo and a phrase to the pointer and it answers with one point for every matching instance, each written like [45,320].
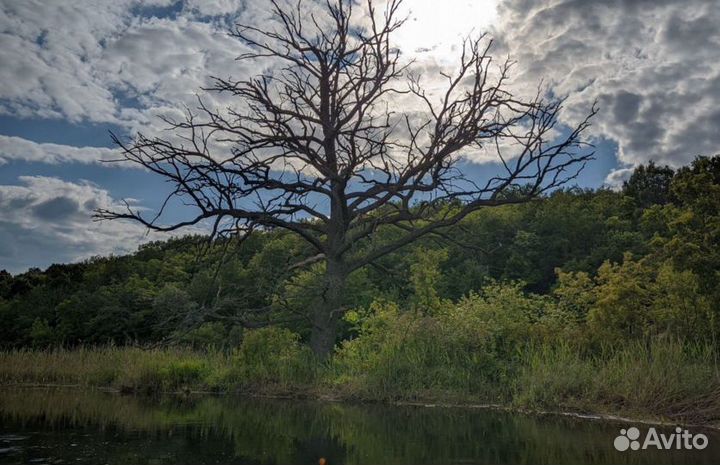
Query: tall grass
[124,368]
[269,359]
[663,378]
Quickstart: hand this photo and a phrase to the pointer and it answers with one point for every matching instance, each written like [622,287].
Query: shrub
[273,355]
[182,373]
[407,354]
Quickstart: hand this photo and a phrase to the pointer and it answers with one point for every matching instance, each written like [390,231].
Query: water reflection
[61,426]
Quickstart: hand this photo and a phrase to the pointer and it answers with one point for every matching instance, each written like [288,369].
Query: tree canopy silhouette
[339,137]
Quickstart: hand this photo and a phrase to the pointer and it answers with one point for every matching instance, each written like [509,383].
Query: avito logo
[680,439]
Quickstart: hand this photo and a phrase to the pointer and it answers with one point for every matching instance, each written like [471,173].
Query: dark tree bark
[329,309]
[317,146]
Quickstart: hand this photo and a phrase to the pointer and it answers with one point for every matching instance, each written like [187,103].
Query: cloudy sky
[73,70]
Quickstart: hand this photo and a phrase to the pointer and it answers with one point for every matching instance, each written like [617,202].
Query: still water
[72,426]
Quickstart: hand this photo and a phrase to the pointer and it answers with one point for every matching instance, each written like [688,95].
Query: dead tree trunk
[329,309]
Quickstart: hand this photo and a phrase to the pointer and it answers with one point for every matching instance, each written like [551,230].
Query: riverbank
[664,382]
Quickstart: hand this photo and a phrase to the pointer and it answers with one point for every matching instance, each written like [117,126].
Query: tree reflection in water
[99,427]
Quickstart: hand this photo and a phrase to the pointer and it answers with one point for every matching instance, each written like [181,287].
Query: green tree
[649,185]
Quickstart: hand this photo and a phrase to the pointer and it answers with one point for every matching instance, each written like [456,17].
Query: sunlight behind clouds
[436,29]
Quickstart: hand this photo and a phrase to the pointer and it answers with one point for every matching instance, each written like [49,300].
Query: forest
[592,299]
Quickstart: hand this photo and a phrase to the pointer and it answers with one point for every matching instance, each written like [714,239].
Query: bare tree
[312,146]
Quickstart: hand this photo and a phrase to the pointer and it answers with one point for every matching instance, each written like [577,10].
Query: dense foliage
[589,267]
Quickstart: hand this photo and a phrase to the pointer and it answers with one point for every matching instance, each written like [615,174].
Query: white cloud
[47,50]
[109,61]
[113,61]
[213,7]
[654,67]
[617,177]
[17,148]
[46,220]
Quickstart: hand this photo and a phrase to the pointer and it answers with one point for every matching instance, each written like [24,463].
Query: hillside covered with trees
[613,266]
[594,300]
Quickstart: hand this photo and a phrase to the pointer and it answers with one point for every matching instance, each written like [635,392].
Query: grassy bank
[125,369]
[662,380]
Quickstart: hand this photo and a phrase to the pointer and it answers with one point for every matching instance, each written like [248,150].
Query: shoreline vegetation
[665,382]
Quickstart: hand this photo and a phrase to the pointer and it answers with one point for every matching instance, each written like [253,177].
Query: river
[91,427]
